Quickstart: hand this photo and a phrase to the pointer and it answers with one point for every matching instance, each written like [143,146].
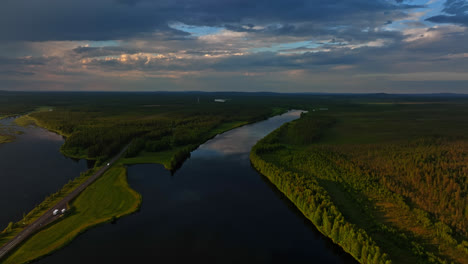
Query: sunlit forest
[387,182]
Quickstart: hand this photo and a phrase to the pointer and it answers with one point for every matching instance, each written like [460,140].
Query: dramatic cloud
[456,11]
[109,19]
[276,45]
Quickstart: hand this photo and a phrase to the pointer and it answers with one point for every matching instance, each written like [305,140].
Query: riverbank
[6,133]
[24,120]
[6,138]
[388,184]
[41,243]
[173,158]
[215,209]
[319,209]
[107,199]
[14,229]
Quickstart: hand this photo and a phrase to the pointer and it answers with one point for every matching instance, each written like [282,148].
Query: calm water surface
[215,209]
[31,167]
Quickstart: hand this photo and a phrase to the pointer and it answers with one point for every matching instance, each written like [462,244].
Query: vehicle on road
[55,212]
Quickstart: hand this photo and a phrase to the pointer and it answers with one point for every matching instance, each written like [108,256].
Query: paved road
[48,216]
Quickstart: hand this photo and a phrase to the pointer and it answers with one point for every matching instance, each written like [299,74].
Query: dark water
[31,167]
[215,209]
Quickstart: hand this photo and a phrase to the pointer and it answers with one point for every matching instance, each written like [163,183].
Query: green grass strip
[108,198]
[6,138]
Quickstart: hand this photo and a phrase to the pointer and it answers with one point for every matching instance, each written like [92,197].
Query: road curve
[48,216]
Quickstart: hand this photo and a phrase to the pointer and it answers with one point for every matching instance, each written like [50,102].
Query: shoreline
[279,177]
[137,196]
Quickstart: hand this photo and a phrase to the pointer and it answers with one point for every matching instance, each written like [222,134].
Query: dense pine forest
[386,181]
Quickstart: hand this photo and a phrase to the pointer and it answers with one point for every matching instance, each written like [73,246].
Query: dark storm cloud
[455,19]
[450,42]
[456,12]
[456,7]
[23,61]
[16,73]
[120,19]
[128,2]
[74,20]
[306,60]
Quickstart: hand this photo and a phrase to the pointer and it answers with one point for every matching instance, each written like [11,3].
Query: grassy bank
[390,176]
[110,197]
[111,192]
[25,120]
[172,158]
[6,138]
[14,228]
[162,157]
[6,135]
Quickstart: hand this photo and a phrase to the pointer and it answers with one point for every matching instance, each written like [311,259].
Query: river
[215,209]
[31,168]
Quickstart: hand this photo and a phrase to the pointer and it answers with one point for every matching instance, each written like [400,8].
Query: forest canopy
[392,176]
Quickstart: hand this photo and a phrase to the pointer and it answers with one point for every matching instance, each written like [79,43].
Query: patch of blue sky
[288,47]
[105,43]
[431,8]
[196,31]
[106,57]
[435,8]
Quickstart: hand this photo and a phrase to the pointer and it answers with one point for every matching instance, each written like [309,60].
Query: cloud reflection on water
[241,140]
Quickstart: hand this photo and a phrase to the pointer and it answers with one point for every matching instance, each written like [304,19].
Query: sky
[352,46]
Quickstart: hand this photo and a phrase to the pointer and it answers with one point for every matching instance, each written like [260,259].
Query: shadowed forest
[98,125]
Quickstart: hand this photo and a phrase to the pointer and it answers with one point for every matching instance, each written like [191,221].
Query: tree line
[316,205]
[99,135]
[423,179]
